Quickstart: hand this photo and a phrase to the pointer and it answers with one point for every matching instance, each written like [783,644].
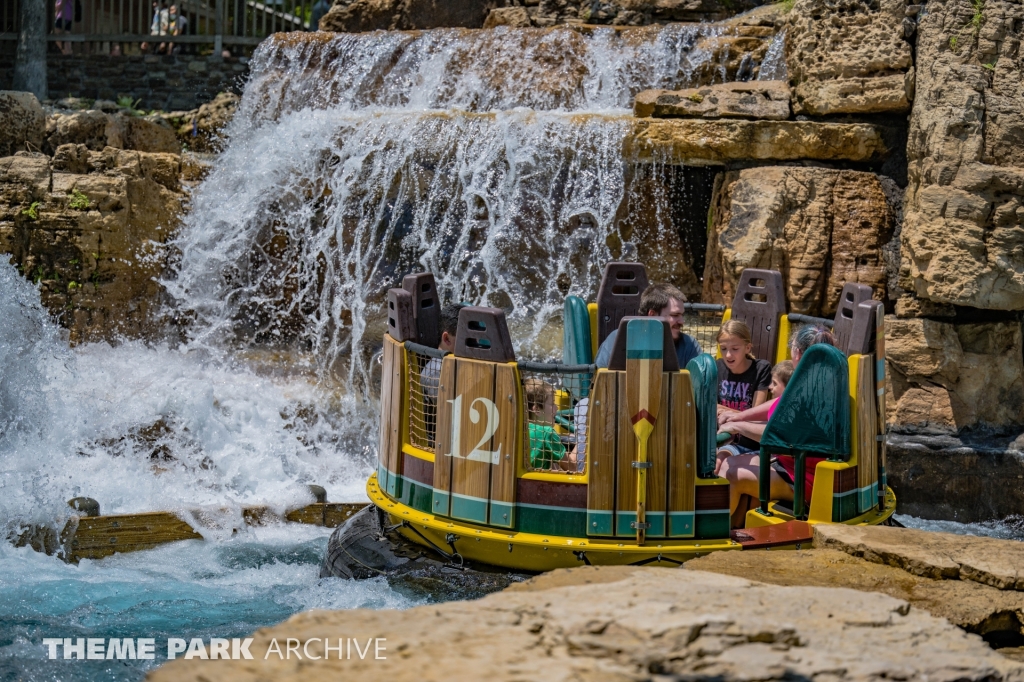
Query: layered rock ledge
[631,623]
[697,142]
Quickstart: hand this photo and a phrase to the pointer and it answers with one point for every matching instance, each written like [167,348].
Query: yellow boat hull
[536,553]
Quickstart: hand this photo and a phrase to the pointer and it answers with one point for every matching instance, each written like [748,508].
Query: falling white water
[142,428]
[773,68]
[491,158]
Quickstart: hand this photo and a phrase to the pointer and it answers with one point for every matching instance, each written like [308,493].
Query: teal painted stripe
[416,495]
[622,521]
[705,511]
[644,335]
[681,524]
[394,485]
[441,503]
[867,498]
[382,477]
[644,354]
[712,526]
[657,521]
[536,520]
[502,514]
[599,522]
[469,508]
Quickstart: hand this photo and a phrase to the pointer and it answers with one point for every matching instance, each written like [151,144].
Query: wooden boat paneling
[682,468]
[625,455]
[443,439]
[503,472]
[602,434]
[865,431]
[475,419]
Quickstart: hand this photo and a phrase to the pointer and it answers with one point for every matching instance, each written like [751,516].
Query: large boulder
[626,623]
[953,376]
[753,99]
[98,130]
[202,128]
[22,123]
[819,227]
[89,226]
[963,236]
[849,57]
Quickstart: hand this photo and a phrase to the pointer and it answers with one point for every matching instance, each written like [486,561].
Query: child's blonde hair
[738,329]
[537,394]
[783,371]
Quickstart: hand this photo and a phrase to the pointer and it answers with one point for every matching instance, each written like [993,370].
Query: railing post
[218,38]
[764,481]
[798,485]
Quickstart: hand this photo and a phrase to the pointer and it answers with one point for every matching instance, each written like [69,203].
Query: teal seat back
[576,347]
[704,376]
[813,415]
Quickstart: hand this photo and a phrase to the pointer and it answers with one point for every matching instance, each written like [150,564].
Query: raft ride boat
[455,474]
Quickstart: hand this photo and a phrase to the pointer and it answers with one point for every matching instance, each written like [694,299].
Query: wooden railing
[129,27]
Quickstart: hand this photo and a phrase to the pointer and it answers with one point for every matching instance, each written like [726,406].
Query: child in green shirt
[546,448]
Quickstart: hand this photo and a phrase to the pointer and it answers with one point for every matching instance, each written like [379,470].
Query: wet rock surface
[363,548]
[970,477]
[819,227]
[628,623]
[761,100]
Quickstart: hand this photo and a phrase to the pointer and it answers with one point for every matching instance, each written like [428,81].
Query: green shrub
[79,201]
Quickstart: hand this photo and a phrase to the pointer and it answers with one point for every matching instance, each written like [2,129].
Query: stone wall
[948,256]
[370,15]
[169,82]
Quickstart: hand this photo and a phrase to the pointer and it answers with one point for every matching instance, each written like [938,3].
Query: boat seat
[622,285]
[483,335]
[401,322]
[576,346]
[851,296]
[704,375]
[426,307]
[812,417]
[861,339]
[670,361]
[759,302]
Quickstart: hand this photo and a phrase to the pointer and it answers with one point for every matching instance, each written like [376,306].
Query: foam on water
[226,588]
[142,428]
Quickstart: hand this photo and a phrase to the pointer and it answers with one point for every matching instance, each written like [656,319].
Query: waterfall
[773,68]
[491,158]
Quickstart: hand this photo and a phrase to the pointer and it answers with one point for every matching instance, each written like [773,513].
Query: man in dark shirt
[659,300]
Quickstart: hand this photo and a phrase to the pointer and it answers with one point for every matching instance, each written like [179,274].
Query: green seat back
[813,415]
[704,376]
[576,346]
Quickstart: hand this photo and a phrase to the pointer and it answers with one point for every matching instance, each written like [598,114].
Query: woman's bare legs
[742,472]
